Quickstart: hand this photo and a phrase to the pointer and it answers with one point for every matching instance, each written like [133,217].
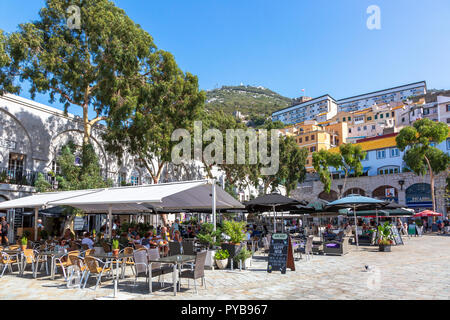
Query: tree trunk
[432,186]
[155,179]
[86,126]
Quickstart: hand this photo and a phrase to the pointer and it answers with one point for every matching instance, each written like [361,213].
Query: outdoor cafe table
[110,257]
[176,261]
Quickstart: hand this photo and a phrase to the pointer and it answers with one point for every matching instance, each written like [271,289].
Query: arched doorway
[359,191]
[386,193]
[328,196]
[418,196]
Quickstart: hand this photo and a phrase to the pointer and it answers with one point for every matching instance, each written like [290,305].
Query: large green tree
[167,100]
[92,66]
[421,155]
[348,160]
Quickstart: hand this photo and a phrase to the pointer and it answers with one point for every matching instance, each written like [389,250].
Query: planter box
[384,248]
[245,264]
[233,250]
[210,258]
[222,264]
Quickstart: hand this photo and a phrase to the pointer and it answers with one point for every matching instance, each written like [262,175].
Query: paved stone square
[420,269]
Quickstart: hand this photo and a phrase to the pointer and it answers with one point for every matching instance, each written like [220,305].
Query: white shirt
[88,241]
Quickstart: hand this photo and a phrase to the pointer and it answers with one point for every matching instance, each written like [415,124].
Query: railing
[23,177]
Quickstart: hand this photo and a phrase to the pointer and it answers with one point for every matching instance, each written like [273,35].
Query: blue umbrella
[356,201]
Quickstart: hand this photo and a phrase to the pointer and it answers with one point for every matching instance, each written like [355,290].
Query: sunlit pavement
[420,269]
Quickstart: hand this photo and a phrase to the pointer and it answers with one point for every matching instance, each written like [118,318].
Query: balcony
[23,177]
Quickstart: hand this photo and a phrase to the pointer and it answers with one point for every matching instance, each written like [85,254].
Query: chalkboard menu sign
[78,223]
[280,253]
[397,237]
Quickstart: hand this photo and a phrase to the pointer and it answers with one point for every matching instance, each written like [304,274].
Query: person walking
[4,231]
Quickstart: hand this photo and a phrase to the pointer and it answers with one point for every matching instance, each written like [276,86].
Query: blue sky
[322,46]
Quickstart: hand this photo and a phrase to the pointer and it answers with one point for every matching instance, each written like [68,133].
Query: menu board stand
[281,254]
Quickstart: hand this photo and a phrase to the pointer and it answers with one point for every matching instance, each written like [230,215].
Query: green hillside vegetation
[431,95]
[257,103]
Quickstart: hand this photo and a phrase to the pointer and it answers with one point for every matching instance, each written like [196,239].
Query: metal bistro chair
[128,261]
[198,272]
[77,266]
[93,267]
[64,262]
[7,261]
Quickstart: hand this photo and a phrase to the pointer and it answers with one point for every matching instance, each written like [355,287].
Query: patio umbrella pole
[36,212]
[214,203]
[356,227]
[110,221]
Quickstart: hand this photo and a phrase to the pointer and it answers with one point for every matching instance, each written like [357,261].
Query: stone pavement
[418,270]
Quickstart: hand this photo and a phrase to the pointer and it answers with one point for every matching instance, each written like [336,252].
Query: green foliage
[41,184]
[115,244]
[235,230]
[258,103]
[3,177]
[243,255]
[207,235]
[24,240]
[385,234]
[221,254]
[78,177]
[92,67]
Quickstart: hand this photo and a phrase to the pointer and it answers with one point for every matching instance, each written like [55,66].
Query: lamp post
[401,183]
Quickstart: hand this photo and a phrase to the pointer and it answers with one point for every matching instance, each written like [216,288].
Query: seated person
[62,246]
[87,240]
[131,233]
[148,240]
[137,239]
[123,240]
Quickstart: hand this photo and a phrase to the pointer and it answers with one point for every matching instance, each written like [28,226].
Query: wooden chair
[93,267]
[198,272]
[128,261]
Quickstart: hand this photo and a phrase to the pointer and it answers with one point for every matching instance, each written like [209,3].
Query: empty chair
[77,266]
[198,272]
[174,248]
[7,261]
[64,262]
[93,268]
[188,248]
[128,261]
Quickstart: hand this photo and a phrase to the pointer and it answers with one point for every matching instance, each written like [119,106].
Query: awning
[177,195]
[43,199]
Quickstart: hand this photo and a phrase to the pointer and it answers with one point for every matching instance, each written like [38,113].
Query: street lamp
[401,183]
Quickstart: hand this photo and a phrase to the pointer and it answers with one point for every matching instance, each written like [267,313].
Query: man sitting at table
[148,240]
[87,240]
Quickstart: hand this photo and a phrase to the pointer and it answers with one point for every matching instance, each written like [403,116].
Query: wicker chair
[7,261]
[93,268]
[174,248]
[64,262]
[336,247]
[77,266]
[198,272]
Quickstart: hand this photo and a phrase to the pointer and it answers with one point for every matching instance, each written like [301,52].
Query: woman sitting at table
[87,240]
[68,235]
[62,246]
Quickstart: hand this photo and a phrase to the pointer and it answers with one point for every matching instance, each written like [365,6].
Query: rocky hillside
[257,103]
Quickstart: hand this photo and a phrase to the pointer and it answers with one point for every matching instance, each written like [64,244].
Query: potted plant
[115,247]
[24,242]
[210,239]
[385,237]
[244,258]
[221,258]
[236,233]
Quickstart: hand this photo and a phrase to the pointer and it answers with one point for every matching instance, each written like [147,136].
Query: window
[307,161]
[387,115]
[373,127]
[376,117]
[134,180]
[448,108]
[312,149]
[381,116]
[55,167]
[395,152]
[388,170]
[448,143]
[343,119]
[122,178]
[392,114]
[403,119]
[16,165]
[349,130]
[426,111]
[300,140]
[448,120]
[313,137]
[365,128]
[77,160]
[366,157]
[349,119]
[306,138]
[369,118]
[359,128]
[381,154]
